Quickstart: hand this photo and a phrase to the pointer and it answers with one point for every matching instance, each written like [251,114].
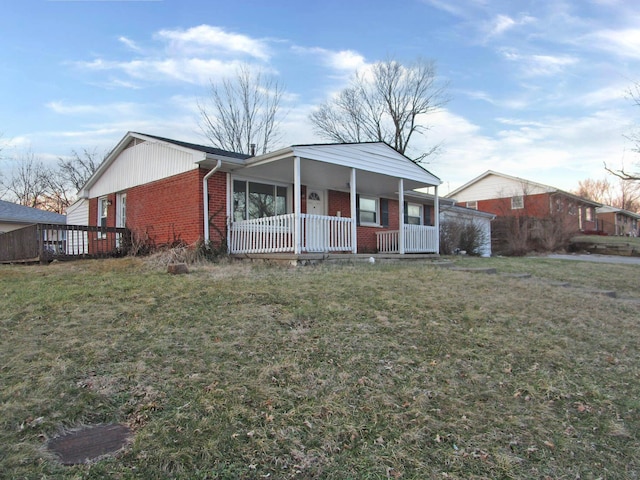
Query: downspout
[205,196]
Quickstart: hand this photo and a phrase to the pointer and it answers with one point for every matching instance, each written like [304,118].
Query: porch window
[368,208]
[413,215]
[517,202]
[103,207]
[258,200]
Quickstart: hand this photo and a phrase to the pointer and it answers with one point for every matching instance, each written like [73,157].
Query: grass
[336,371]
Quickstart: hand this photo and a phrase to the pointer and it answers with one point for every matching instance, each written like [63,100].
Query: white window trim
[370,224]
[473,205]
[102,212]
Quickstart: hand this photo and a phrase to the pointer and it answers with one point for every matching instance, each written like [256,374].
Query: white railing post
[354,213]
[401,240]
[297,207]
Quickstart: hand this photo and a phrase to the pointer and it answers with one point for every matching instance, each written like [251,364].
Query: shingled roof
[14,213]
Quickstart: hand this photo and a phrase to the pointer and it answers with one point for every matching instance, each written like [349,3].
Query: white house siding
[495,186]
[78,214]
[143,163]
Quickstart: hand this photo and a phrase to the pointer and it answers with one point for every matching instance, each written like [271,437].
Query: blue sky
[538,89]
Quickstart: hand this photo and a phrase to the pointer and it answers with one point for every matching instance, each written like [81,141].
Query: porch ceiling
[327,176]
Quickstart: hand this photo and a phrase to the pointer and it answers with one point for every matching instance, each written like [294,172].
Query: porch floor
[313,258]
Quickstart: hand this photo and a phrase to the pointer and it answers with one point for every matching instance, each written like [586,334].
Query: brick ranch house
[303,199]
[548,209]
[616,221]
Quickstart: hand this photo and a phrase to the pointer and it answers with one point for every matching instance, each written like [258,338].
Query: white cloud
[202,39]
[342,60]
[130,44]
[540,65]
[555,151]
[194,56]
[63,108]
[623,42]
[189,70]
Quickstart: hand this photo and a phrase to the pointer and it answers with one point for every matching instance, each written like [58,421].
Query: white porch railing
[417,239]
[318,233]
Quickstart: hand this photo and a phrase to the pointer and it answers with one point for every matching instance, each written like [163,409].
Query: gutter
[205,194]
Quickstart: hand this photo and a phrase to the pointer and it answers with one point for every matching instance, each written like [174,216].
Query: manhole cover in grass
[89,443]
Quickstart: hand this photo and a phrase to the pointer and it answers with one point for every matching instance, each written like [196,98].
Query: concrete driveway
[597,258]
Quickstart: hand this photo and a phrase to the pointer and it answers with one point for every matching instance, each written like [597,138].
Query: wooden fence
[45,242]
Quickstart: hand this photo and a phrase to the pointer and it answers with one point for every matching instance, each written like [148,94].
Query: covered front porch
[308,233]
[332,199]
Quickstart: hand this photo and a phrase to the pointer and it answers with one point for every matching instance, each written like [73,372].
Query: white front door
[316,202]
[316,230]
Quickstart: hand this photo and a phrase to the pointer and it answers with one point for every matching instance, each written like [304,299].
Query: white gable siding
[143,163]
[495,186]
[371,157]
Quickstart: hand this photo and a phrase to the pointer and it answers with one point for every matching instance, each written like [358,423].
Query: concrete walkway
[597,258]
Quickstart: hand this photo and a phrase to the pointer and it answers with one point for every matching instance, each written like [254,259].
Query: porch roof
[378,167]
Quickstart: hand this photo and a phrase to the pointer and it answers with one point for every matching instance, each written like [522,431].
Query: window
[413,215]
[103,208]
[257,200]
[588,213]
[368,211]
[472,205]
[517,202]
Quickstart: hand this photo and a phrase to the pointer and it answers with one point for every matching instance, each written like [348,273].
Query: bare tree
[633,93]
[624,195]
[387,105]
[27,183]
[74,172]
[242,112]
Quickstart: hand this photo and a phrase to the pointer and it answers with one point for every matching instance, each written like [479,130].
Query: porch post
[436,220]
[354,213]
[297,206]
[401,216]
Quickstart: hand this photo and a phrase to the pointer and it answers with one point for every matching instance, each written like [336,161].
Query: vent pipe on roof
[253,149]
[205,203]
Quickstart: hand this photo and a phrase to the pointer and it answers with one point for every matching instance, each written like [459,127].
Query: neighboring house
[616,221]
[529,215]
[14,216]
[347,198]
[504,195]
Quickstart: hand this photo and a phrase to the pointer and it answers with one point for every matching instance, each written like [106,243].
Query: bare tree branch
[242,111]
[388,105]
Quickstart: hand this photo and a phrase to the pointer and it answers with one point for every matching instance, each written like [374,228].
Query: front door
[315,202]
[316,228]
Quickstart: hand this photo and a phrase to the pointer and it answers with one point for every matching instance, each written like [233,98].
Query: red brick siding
[170,210]
[541,206]
[217,186]
[367,242]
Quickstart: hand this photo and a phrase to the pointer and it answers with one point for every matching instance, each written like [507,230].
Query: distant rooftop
[12,212]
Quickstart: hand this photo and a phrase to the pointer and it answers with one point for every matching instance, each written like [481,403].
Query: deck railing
[318,233]
[46,242]
[417,239]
